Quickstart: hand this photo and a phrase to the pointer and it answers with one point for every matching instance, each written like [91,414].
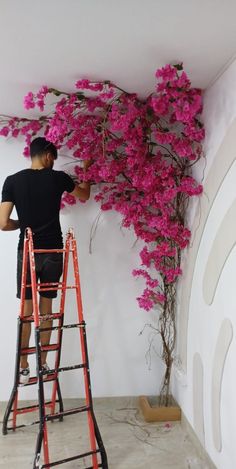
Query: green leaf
[178,66]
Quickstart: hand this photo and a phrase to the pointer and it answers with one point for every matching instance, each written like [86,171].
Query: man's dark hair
[40,145]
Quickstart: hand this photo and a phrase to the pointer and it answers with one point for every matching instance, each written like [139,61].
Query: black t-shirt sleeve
[68,184]
[7,191]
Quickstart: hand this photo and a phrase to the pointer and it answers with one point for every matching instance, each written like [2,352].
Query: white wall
[204,382]
[116,350]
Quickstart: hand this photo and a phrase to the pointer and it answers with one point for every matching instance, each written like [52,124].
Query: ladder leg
[100,443]
[87,382]
[12,403]
[89,395]
[56,387]
[61,405]
[56,390]
[14,395]
[38,448]
[87,385]
[90,400]
[42,436]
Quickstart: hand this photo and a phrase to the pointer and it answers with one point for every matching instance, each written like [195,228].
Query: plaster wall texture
[204,380]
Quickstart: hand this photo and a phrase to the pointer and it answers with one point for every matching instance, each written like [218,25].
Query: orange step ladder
[96,453]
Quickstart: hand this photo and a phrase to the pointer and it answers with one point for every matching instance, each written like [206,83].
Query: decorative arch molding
[221,350]
[223,244]
[198,403]
[223,162]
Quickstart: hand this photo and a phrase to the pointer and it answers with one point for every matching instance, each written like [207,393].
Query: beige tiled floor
[129,441]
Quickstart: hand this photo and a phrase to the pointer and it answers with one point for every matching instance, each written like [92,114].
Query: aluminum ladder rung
[72,458]
[32,408]
[66,326]
[91,467]
[54,286]
[69,287]
[36,422]
[47,251]
[75,410]
[34,380]
[44,348]
[12,429]
[63,368]
[46,317]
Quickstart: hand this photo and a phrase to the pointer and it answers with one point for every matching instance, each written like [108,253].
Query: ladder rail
[61,312]
[42,427]
[24,275]
[83,342]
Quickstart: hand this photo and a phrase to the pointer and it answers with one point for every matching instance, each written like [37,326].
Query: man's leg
[45,307]
[28,308]
[50,272]
[26,330]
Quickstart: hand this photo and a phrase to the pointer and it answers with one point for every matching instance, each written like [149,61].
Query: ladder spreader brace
[97,451]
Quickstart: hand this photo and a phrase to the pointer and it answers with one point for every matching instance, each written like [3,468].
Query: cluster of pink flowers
[18,127]
[142,153]
[31,101]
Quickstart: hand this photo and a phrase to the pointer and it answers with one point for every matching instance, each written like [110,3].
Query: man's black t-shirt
[36,194]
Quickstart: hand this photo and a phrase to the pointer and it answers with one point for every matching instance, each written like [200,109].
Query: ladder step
[64,368]
[68,287]
[48,251]
[67,326]
[92,467]
[51,286]
[55,416]
[36,422]
[72,458]
[76,410]
[45,317]
[32,408]
[46,284]
[44,348]
[34,380]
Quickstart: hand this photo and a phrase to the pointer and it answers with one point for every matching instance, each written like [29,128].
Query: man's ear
[46,158]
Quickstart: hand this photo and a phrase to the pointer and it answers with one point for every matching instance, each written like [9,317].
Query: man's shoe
[45,367]
[24,375]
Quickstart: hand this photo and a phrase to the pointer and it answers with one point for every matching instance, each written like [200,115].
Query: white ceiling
[56,42]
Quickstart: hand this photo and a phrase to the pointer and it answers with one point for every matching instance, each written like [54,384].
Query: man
[36,194]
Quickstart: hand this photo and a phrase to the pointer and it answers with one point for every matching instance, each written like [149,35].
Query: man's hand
[6,223]
[87,164]
[82,190]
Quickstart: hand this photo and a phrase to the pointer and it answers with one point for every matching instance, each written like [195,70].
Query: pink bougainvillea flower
[167,73]
[88,85]
[29,101]
[4,131]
